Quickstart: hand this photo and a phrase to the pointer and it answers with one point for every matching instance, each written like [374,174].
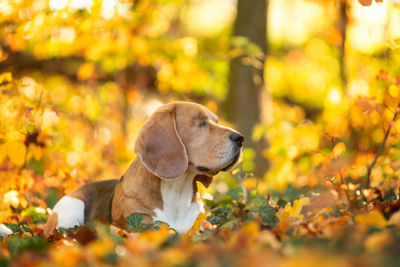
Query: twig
[40,101]
[368,180]
[345,190]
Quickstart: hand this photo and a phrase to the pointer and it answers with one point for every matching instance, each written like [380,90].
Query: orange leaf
[338,149]
[334,37]
[365,2]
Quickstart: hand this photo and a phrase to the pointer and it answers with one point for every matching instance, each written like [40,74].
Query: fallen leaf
[374,218]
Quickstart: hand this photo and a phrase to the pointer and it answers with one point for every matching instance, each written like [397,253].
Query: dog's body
[180,144]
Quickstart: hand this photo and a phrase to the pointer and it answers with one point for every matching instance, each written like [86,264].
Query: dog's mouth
[232,163]
[229,165]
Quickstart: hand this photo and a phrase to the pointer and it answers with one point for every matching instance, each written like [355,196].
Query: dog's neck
[179,208]
[175,202]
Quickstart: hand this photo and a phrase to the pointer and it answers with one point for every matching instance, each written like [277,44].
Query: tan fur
[202,144]
[170,144]
[139,191]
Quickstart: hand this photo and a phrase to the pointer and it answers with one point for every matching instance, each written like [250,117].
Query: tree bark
[243,105]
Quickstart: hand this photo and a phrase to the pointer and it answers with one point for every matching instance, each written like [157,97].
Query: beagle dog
[181,143]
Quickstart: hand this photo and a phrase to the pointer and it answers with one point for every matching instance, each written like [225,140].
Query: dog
[179,144]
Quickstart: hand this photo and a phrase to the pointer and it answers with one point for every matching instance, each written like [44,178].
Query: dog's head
[183,136]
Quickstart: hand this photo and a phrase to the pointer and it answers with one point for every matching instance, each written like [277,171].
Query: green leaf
[52,197]
[260,206]
[249,156]
[135,222]
[111,257]
[249,48]
[37,214]
[170,241]
[292,193]
[207,234]
[17,244]
[256,203]
[156,225]
[267,214]
[235,193]
[4,261]
[37,166]
[14,244]
[14,227]
[19,228]
[281,203]
[220,216]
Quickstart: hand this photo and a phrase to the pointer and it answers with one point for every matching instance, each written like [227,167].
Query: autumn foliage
[76,84]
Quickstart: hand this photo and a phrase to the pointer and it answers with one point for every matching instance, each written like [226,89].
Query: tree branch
[23,61]
[382,146]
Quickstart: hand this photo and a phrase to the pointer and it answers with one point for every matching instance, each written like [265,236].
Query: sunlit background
[320,165]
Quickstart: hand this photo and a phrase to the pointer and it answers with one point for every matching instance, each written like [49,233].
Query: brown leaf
[331,168]
[324,200]
[85,235]
[367,105]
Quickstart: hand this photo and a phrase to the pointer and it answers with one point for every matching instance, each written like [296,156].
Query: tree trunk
[342,27]
[243,105]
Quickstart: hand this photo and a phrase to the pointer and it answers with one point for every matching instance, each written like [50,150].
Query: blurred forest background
[312,84]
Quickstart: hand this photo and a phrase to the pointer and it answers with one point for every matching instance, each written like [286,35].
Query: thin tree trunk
[243,101]
[342,27]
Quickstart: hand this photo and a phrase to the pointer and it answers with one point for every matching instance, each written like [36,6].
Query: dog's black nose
[237,138]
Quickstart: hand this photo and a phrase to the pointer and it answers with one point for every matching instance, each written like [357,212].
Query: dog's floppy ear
[159,146]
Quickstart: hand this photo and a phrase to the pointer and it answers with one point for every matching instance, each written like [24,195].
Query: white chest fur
[179,211]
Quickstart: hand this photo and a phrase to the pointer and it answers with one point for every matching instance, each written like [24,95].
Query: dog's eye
[203,124]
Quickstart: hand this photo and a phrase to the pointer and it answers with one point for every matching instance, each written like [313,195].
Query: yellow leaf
[16,152]
[298,205]
[200,219]
[250,183]
[374,217]
[67,256]
[338,149]
[36,152]
[173,256]
[251,229]
[5,77]
[92,108]
[100,248]
[377,242]
[157,237]
[393,91]
[295,211]
[3,152]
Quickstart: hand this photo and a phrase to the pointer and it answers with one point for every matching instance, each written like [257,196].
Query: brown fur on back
[97,197]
